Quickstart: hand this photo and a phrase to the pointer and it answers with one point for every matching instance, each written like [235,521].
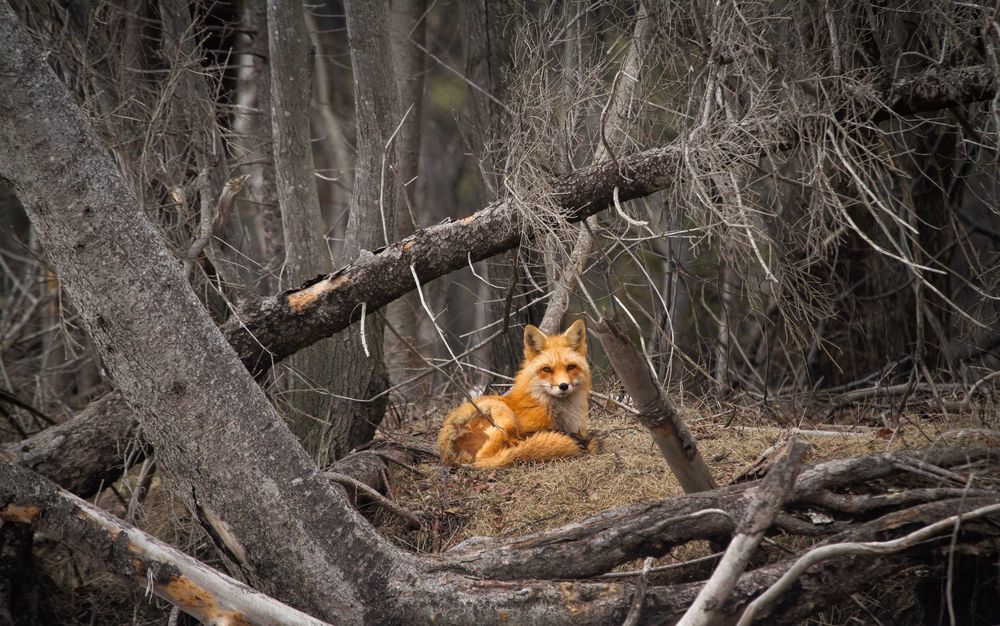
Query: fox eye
[547,370]
[570,368]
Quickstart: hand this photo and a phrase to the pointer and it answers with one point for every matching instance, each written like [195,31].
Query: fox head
[555,365]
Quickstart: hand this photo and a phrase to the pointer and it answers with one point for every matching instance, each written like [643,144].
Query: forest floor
[737,439]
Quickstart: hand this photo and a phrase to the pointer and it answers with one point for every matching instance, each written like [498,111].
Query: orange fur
[542,417]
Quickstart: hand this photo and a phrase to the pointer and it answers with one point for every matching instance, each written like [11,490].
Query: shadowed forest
[252,254]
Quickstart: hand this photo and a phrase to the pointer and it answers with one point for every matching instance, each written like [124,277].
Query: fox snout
[559,389]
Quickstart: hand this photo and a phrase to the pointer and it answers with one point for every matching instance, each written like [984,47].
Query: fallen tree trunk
[279,326]
[621,535]
[192,586]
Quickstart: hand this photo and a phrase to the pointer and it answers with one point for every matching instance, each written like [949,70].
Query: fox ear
[576,337]
[534,341]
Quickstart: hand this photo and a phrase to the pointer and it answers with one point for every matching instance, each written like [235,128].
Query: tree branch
[283,324]
[767,501]
[87,452]
[830,551]
[657,414]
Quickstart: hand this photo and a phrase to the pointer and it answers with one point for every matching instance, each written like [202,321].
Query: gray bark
[312,374]
[253,129]
[357,357]
[214,431]
[652,529]
[335,149]
[764,506]
[199,590]
[408,25]
[291,92]
[280,325]
[266,507]
[285,323]
[656,413]
[86,453]
[489,59]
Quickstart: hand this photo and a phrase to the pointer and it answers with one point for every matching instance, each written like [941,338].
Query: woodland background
[786,210]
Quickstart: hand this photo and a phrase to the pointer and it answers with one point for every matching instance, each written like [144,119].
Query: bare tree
[409,28]
[359,403]
[490,57]
[254,135]
[306,254]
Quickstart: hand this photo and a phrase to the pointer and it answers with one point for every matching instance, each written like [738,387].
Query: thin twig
[386,503]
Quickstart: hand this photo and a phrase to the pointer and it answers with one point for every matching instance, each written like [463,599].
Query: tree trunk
[169,573]
[283,324]
[409,26]
[278,326]
[357,354]
[213,429]
[616,114]
[254,134]
[311,374]
[489,58]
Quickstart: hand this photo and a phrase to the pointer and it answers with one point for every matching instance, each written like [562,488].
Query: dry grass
[460,503]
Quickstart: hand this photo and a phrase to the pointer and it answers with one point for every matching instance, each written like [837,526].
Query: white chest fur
[570,413]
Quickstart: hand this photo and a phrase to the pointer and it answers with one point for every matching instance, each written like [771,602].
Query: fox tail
[542,446]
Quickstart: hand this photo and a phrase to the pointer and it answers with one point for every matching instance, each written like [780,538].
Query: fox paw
[588,444]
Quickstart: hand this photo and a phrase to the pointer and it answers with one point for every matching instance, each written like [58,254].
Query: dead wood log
[197,589]
[620,535]
[426,593]
[657,414]
[757,519]
[833,550]
[829,582]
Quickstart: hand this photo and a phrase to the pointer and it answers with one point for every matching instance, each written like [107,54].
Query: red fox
[542,417]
